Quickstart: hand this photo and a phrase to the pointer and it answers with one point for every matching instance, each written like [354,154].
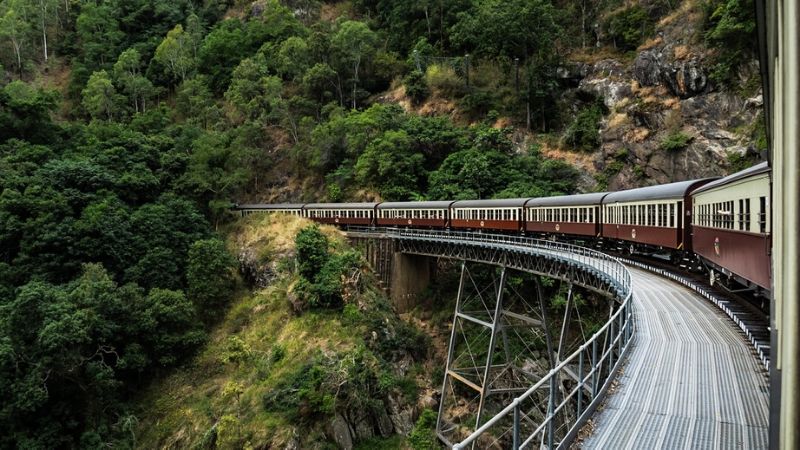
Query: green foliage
[423,435]
[584,132]
[209,274]
[511,28]
[730,28]
[675,141]
[391,165]
[312,251]
[629,27]
[443,80]
[483,172]
[416,87]
[100,98]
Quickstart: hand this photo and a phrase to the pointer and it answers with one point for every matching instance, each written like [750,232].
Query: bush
[416,87]
[675,141]
[444,80]
[583,133]
[628,27]
[423,435]
[312,251]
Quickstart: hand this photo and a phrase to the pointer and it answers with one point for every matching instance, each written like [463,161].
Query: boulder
[338,430]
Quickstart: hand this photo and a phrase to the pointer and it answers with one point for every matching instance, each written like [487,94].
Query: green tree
[252,90]
[209,275]
[15,28]
[99,33]
[390,164]
[629,27]
[138,88]
[312,251]
[354,43]
[509,28]
[293,58]
[100,98]
[176,53]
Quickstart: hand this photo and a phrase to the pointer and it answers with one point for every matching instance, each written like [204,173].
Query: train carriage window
[762,214]
[671,215]
[740,215]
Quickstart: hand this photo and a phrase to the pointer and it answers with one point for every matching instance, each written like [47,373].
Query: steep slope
[278,373]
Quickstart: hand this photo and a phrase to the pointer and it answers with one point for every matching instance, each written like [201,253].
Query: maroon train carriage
[295,209]
[577,215]
[731,230]
[654,216]
[429,214]
[341,213]
[505,214]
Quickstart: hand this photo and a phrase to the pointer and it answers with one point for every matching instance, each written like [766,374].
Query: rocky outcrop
[663,94]
[684,79]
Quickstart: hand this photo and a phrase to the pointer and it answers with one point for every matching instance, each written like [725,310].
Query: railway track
[691,380]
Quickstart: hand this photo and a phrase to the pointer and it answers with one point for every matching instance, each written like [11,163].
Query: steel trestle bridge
[491,365]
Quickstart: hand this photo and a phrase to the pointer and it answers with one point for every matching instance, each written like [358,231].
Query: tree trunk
[355,80]
[19,56]
[43,7]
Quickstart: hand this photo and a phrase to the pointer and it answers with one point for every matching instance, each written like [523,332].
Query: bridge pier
[410,276]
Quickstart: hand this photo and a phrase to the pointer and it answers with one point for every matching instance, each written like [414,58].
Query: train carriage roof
[594,198]
[658,192]
[497,203]
[270,206]
[416,205]
[758,169]
[340,205]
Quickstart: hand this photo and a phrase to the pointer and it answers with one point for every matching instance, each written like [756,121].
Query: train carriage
[434,214]
[731,229]
[341,213]
[655,216]
[577,215]
[295,209]
[505,214]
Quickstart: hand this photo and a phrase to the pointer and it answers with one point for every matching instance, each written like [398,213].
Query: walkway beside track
[691,380]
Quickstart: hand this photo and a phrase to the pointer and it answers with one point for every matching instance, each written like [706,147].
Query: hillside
[281,371]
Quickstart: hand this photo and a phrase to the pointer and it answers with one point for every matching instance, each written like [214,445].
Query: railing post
[610,346]
[594,369]
[550,410]
[580,384]
[621,331]
[515,444]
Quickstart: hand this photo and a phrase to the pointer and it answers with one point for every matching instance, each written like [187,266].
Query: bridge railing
[577,384]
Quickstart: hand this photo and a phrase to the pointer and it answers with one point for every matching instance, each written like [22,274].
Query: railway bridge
[689,379]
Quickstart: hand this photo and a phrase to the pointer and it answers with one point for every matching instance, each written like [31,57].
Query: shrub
[444,80]
[423,436]
[675,141]
[416,87]
[583,133]
[312,251]
[628,27]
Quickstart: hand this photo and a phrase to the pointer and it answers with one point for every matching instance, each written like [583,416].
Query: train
[718,225]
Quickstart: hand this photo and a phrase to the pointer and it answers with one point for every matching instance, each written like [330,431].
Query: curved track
[691,380]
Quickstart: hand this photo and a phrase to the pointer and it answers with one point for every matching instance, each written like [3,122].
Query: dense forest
[128,128]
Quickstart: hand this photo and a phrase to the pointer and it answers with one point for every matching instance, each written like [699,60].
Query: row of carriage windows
[574,215]
[487,214]
[652,215]
[425,214]
[339,213]
[733,215]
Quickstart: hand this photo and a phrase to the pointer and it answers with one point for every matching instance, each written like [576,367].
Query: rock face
[662,95]
[684,79]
